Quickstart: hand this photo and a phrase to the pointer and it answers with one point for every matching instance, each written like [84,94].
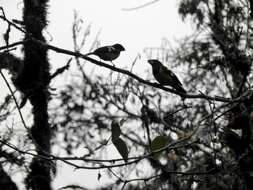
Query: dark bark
[251,8]
[33,81]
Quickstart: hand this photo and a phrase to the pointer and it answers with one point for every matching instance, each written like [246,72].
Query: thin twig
[12,45]
[61,70]
[15,100]
[140,6]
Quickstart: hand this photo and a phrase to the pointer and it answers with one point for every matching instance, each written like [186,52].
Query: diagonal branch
[128,73]
[14,98]
[140,6]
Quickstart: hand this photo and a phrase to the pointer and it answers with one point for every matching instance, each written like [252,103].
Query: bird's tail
[180,89]
[88,54]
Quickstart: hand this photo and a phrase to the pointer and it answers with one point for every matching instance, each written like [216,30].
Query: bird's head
[154,62]
[119,47]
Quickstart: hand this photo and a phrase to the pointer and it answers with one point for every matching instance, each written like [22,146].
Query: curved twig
[140,6]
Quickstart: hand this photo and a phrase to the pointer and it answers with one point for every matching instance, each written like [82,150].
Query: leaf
[158,143]
[115,130]
[121,147]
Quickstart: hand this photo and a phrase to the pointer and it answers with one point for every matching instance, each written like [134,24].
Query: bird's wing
[171,74]
[104,49]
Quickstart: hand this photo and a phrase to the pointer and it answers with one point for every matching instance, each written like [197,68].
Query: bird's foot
[112,64]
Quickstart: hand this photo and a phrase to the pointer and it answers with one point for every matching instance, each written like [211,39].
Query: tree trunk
[33,81]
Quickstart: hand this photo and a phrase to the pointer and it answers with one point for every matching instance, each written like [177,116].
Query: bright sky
[135,30]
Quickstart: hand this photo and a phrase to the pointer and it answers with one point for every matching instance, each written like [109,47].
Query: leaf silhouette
[121,147]
[115,128]
[158,143]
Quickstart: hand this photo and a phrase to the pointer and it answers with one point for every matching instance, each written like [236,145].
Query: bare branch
[140,6]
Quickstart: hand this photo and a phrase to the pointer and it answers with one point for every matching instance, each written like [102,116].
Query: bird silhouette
[165,76]
[108,53]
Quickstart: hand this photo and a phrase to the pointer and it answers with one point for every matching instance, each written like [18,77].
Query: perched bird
[108,53]
[165,76]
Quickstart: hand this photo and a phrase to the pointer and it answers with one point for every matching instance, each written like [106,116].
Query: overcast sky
[134,29]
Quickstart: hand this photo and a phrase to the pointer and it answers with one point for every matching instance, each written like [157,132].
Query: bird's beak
[150,61]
